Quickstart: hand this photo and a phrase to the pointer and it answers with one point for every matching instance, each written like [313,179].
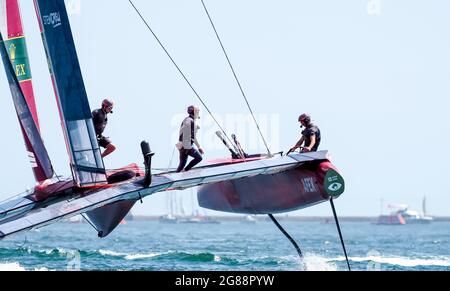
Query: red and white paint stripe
[10,20]
[33,161]
[3,19]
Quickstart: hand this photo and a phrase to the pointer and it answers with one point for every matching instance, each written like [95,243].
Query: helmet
[108,103]
[193,111]
[306,118]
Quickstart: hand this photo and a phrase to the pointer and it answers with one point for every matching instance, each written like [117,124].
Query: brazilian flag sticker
[334,183]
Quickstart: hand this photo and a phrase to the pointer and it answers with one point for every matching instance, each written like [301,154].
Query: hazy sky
[375,75]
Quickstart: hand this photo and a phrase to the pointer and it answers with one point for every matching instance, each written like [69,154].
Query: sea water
[231,246]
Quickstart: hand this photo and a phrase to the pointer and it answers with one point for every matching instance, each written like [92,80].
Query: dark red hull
[295,189]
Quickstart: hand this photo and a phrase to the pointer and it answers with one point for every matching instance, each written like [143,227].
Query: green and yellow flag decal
[17,50]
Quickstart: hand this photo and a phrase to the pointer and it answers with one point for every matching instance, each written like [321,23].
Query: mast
[424,207]
[171,205]
[182,213]
[11,28]
[76,119]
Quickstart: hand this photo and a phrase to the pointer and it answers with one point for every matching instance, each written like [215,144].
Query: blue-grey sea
[230,246]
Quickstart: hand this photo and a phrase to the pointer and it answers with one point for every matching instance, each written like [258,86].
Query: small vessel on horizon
[177,214]
[170,216]
[403,215]
[200,219]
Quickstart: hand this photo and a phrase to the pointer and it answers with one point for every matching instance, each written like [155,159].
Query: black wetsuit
[310,131]
[100,121]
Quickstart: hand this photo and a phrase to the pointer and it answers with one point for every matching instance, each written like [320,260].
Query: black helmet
[306,118]
[190,110]
[193,110]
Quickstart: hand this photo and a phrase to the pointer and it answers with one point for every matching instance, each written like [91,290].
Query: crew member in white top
[187,140]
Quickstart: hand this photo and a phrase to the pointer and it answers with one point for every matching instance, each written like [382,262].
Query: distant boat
[413,217]
[403,215]
[391,219]
[195,216]
[200,219]
[168,219]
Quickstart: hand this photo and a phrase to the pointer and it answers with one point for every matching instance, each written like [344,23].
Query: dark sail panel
[41,162]
[86,162]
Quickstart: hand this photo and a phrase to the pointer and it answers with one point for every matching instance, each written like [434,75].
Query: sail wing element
[41,161]
[15,45]
[86,162]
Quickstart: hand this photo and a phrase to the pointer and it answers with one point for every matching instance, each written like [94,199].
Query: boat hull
[391,220]
[295,189]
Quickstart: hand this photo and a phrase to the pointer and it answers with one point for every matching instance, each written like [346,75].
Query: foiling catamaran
[258,184]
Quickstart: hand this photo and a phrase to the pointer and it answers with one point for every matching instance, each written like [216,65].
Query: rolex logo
[12,52]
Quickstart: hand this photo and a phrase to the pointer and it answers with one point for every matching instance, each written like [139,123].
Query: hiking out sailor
[100,118]
[310,140]
[187,140]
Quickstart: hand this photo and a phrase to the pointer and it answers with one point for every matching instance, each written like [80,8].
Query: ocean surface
[230,246]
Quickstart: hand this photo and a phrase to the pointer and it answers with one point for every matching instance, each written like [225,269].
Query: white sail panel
[3,18]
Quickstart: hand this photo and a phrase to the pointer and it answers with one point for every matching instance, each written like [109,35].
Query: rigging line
[56,175]
[20,195]
[178,68]
[340,233]
[171,159]
[299,251]
[236,77]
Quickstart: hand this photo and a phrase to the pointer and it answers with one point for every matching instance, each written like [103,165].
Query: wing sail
[24,101]
[42,165]
[86,162]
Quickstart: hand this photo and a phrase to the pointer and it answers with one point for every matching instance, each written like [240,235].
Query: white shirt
[188,133]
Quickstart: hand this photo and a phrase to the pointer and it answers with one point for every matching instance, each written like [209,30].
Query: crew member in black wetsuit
[100,118]
[310,135]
